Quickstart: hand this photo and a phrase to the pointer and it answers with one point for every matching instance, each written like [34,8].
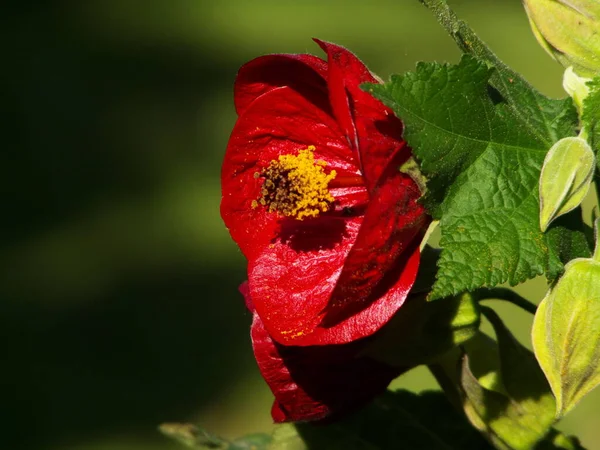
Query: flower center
[296,185]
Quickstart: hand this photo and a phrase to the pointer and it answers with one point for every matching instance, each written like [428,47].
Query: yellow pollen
[296,185]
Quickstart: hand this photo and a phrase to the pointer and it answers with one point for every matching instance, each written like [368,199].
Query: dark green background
[119,282]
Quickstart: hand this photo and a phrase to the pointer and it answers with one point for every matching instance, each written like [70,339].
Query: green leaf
[591,114]
[193,437]
[523,414]
[483,160]
[402,420]
[502,390]
[521,375]
[565,179]
[255,441]
[549,119]
[286,437]
[566,336]
[503,422]
[480,136]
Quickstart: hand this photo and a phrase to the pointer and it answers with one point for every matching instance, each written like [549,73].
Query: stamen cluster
[296,185]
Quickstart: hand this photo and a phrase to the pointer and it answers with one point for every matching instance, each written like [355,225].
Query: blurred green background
[119,282]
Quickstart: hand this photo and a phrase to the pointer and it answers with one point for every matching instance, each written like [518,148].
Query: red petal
[370,126]
[309,292]
[311,383]
[294,267]
[392,223]
[344,69]
[245,291]
[279,122]
[303,73]
[291,291]
[292,279]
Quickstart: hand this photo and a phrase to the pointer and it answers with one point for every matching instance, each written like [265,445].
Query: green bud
[565,178]
[569,30]
[566,333]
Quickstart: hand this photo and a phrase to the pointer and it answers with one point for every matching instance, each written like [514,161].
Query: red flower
[316,382]
[313,196]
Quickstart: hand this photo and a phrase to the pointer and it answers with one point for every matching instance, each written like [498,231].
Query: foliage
[500,167]
[400,419]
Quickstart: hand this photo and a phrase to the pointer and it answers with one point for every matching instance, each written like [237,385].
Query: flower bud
[565,332]
[569,30]
[565,178]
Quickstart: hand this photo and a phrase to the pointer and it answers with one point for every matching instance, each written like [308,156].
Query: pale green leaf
[521,415]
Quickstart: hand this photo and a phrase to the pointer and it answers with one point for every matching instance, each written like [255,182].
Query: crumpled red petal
[313,383]
[372,128]
[303,73]
[392,223]
[322,281]
[291,292]
[292,279]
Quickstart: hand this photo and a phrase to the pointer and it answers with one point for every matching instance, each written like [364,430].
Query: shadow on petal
[320,233]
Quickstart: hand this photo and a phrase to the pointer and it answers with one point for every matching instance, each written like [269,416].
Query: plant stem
[447,385]
[507,295]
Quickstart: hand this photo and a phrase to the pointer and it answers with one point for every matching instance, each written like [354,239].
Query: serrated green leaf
[480,136]
[565,179]
[566,336]
[547,118]
[483,164]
